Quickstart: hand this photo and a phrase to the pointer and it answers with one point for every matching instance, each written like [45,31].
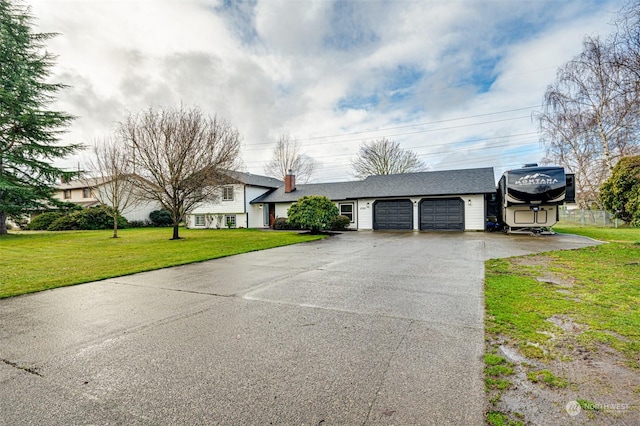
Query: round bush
[340,223]
[314,212]
[161,218]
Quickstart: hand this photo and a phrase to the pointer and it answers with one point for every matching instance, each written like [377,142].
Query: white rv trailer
[529,198]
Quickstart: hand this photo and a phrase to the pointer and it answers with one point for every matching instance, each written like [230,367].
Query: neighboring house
[444,200]
[233,208]
[83,192]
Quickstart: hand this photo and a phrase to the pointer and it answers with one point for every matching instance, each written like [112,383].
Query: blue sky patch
[483,74]
[358,102]
[240,17]
[348,31]
[395,86]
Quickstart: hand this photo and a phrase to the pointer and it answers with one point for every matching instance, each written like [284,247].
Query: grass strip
[35,261]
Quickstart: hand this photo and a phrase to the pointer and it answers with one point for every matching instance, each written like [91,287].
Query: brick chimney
[290,182]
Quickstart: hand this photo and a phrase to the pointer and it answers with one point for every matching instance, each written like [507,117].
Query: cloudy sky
[458,82]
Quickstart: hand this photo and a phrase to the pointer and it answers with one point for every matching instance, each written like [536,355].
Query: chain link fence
[584,217]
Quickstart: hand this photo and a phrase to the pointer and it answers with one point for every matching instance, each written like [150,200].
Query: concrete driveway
[360,328]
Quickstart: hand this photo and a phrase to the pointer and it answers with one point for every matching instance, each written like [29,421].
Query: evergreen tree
[29,132]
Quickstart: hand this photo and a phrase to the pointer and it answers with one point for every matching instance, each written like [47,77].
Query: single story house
[441,200]
[233,209]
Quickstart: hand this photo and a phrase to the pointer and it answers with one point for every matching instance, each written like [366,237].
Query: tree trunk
[176,236]
[115,225]
[3,215]
[3,223]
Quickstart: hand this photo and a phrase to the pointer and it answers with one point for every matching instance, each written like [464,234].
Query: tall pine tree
[29,132]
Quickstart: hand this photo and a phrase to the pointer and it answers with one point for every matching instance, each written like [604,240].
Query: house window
[347,210]
[86,193]
[227,193]
[199,220]
[230,221]
[67,194]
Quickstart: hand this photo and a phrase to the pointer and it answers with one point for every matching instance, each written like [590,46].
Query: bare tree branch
[112,167]
[590,117]
[287,155]
[385,157]
[181,152]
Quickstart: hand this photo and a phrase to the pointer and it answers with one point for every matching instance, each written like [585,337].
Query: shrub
[340,223]
[98,218]
[64,223]
[161,218]
[139,223]
[315,213]
[88,219]
[44,220]
[280,223]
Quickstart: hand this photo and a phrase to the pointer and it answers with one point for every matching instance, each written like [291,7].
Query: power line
[409,126]
[436,145]
[414,133]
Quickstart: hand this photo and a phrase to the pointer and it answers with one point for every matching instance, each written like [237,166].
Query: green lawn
[604,294]
[596,288]
[34,261]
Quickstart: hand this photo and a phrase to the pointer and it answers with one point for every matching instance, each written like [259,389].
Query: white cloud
[280,66]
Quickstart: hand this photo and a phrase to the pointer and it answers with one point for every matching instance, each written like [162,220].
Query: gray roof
[254,180]
[446,182]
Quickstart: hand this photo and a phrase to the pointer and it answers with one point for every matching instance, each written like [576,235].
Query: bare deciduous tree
[112,169]
[288,155]
[589,119]
[626,42]
[385,157]
[180,153]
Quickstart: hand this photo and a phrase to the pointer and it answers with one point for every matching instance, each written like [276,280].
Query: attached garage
[393,214]
[447,200]
[442,214]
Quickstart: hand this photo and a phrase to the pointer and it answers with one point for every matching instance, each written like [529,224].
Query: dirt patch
[599,380]
[571,385]
[567,324]
[555,279]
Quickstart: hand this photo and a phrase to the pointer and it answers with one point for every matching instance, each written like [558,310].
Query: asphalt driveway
[360,328]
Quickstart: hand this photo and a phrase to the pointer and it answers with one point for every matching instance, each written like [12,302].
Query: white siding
[77,196]
[215,213]
[474,214]
[281,209]
[220,206]
[354,224]
[247,215]
[141,211]
[215,220]
[365,213]
[255,211]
